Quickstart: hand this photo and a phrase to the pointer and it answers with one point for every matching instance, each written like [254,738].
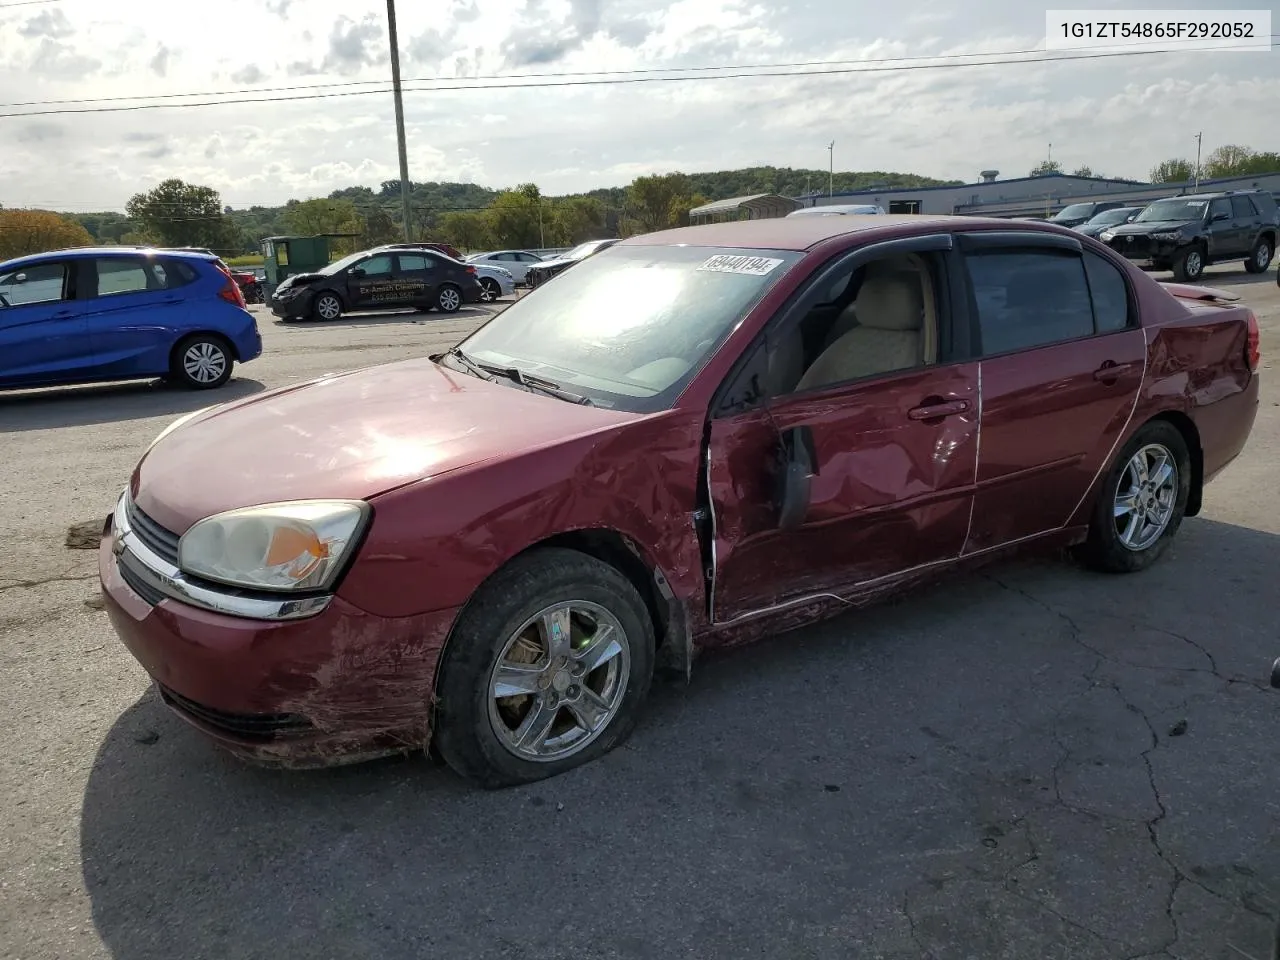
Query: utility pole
[400,138]
[542,239]
[1199,138]
[831,168]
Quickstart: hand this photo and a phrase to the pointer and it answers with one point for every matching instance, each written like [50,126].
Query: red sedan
[696,437]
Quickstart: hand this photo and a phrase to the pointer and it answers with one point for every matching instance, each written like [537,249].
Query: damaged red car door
[864,359]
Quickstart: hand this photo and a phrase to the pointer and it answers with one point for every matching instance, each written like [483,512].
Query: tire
[449,299]
[327,306]
[489,290]
[1260,256]
[201,362]
[475,731]
[1188,266]
[1107,548]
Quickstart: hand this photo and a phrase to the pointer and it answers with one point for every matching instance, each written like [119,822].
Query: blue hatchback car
[116,313]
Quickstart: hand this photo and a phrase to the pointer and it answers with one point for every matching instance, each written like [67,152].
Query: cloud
[248,75]
[159,64]
[354,44]
[279,7]
[38,132]
[54,58]
[47,23]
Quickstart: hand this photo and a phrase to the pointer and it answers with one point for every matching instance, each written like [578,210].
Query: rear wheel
[545,671]
[1260,256]
[327,307]
[201,362]
[449,299]
[1141,503]
[1189,265]
[489,290]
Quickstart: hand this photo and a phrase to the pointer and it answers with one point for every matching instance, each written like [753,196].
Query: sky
[1119,116]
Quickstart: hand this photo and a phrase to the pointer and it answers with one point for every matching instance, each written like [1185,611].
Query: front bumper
[1143,251]
[338,686]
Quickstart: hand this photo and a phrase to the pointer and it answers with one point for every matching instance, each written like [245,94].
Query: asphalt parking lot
[1030,762]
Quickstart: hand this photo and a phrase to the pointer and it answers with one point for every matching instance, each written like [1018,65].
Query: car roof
[804,233]
[79,253]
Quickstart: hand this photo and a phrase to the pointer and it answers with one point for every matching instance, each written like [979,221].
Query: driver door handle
[931,410]
[1111,371]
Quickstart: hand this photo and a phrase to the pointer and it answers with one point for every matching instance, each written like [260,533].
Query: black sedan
[381,279]
[544,271]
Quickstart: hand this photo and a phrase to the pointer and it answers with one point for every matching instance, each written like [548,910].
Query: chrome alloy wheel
[204,362]
[1146,497]
[450,299]
[328,307]
[559,681]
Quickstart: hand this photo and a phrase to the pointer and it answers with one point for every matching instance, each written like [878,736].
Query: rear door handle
[1111,371]
[936,411]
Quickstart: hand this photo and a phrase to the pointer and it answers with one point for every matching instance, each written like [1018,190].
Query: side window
[117,275]
[1219,206]
[1243,207]
[415,263]
[1029,299]
[178,274]
[1110,295]
[529,258]
[504,257]
[39,283]
[878,318]
[379,266]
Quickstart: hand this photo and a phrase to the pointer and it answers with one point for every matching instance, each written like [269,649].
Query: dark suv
[1185,234]
[1073,215]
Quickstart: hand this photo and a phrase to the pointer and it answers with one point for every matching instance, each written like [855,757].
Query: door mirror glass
[356,272]
[797,465]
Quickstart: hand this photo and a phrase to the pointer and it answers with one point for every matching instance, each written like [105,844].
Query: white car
[495,281]
[516,261]
[839,210]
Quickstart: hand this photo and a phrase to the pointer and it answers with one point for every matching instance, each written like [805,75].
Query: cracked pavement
[1031,761]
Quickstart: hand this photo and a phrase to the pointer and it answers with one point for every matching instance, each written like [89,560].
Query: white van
[838,210]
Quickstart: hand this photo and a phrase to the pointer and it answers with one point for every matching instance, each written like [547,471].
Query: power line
[27,3]
[603,81]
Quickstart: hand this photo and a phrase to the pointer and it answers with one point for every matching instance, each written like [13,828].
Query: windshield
[1119,215]
[1074,212]
[630,327]
[1173,210]
[339,265]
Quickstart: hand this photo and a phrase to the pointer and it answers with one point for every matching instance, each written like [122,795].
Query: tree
[517,218]
[1084,171]
[379,228]
[1045,168]
[23,232]
[466,231]
[576,219]
[1173,171]
[656,202]
[324,215]
[1228,160]
[183,215]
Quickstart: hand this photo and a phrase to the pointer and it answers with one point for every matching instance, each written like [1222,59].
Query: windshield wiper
[516,375]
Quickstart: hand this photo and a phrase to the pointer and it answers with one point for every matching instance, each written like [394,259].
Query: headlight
[177,423]
[278,546]
[1106,236]
[1167,235]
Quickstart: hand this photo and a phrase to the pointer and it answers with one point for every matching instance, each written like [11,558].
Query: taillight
[1253,349]
[471,270]
[230,292]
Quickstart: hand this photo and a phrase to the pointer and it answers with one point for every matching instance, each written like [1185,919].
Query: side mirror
[355,272]
[797,465]
[1220,216]
[19,278]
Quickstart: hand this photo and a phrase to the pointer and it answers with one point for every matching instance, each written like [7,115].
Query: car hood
[558,262]
[1151,226]
[349,436]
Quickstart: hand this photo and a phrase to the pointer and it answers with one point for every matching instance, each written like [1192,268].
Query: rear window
[121,275]
[1243,207]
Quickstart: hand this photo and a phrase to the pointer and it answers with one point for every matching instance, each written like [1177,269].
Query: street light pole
[400,138]
[831,168]
[1199,137]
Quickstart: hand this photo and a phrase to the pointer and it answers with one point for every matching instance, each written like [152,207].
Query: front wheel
[1142,501]
[449,299]
[201,362]
[1259,257]
[1189,265]
[327,307]
[546,670]
[489,290]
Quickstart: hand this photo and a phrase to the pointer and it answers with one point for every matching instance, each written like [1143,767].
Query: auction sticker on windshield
[752,266]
